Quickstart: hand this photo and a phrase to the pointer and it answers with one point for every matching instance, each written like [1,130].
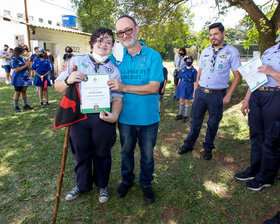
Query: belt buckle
[261,88]
[207,90]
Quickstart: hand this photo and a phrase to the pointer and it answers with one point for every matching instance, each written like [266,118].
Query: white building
[45,27]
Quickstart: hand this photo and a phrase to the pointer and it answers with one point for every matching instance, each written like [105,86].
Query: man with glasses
[212,82]
[141,73]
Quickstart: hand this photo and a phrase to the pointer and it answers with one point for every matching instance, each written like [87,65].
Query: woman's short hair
[100,32]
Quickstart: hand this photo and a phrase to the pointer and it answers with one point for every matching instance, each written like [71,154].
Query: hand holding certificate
[95,93]
[251,75]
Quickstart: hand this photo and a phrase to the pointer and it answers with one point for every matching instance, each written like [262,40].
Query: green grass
[188,189]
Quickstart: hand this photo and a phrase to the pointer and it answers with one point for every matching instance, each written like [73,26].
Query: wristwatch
[65,80]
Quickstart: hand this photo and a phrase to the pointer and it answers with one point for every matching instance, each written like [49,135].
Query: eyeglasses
[128,31]
[106,42]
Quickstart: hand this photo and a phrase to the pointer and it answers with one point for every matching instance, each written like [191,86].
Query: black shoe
[243,176]
[41,104]
[207,155]
[27,107]
[178,117]
[274,220]
[17,109]
[122,190]
[255,185]
[174,98]
[148,195]
[183,150]
[47,103]
[185,119]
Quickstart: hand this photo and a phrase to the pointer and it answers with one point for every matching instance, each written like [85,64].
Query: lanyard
[213,60]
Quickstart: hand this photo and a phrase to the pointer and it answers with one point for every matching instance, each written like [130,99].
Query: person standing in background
[179,63]
[51,58]
[4,55]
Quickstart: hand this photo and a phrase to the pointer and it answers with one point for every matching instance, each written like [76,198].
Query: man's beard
[132,41]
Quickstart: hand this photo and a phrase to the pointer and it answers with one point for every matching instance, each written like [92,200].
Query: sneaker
[255,185]
[41,104]
[27,107]
[174,98]
[178,117]
[185,119]
[207,155]
[7,82]
[75,192]
[183,150]
[103,195]
[122,190]
[274,220]
[243,176]
[47,103]
[17,109]
[148,195]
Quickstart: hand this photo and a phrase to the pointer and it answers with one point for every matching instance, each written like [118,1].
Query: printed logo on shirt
[109,70]
[142,61]
[223,56]
[220,66]
[84,65]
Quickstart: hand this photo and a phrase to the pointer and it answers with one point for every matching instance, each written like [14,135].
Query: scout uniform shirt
[271,57]
[217,77]
[86,66]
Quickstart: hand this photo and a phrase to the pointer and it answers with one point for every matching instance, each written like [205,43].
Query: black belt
[264,88]
[205,90]
[186,80]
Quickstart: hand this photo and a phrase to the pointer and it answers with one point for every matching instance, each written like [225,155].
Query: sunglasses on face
[127,31]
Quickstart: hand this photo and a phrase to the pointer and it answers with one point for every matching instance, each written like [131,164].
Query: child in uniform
[20,78]
[187,77]
[42,68]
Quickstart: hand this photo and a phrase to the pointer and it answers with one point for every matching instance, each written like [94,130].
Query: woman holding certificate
[91,140]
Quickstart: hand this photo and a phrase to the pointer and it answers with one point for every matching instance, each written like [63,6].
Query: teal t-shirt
[140,70]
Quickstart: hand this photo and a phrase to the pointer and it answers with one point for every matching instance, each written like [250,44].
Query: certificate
[95,93]
[251,75]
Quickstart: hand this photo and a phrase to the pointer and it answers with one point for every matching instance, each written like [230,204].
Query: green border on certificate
[95,93]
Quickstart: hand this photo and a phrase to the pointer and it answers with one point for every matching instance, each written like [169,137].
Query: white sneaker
[103,195]
[7,82]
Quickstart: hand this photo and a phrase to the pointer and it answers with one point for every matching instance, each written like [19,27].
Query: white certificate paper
[251,75]
[95,93]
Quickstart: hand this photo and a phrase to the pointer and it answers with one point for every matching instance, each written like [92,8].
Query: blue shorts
[7,68]
[18,88]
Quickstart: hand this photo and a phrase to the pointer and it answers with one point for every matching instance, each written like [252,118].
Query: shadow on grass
[188,189]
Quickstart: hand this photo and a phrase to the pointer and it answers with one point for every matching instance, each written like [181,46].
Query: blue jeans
[212,102]
[146,136]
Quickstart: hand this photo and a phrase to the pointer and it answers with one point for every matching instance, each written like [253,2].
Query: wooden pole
[27,26]
[60,179]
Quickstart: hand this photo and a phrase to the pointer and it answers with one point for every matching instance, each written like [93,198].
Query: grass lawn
[188,189]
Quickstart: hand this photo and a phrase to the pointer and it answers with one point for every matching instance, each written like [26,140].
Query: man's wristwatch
[65,80]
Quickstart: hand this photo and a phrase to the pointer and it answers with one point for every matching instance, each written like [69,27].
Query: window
[41,20]
[58,24]
[7,12]
[19,15]
[49,22]
[31,18]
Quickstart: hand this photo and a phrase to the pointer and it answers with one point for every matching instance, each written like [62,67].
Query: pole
[27,26]
[60,179]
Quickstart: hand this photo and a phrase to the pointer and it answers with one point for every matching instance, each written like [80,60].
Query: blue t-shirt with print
[140,70]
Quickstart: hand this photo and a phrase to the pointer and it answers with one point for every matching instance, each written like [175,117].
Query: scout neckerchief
[96,64]
[213,60]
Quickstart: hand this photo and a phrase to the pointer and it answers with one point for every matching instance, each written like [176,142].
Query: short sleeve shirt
[4,60]
[179,62]
[140,69]
[41,66]
[226,59]
[86,66]
[271,57]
